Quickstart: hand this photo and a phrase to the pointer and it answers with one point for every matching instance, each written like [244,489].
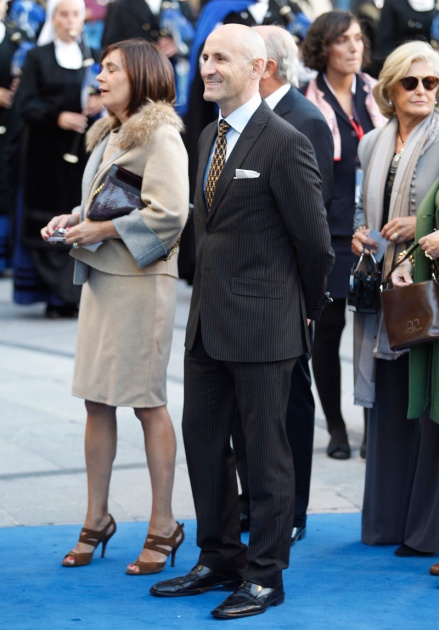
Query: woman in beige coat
[129,274]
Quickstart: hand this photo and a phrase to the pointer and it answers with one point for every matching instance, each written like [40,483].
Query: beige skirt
[124,339]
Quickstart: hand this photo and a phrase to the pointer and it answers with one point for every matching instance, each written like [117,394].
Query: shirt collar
[240,117]
[277,95]
[353,87]
[68,54]
[154,5]
[258,10]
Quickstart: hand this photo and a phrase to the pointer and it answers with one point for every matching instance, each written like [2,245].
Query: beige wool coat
[149,145]
[128,299]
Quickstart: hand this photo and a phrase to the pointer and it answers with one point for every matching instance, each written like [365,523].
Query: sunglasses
[411,83]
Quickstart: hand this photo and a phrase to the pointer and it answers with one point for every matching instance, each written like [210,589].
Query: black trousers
[327,367]
[300,433]
[213,391]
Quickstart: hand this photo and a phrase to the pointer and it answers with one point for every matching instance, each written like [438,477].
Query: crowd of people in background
[360,85]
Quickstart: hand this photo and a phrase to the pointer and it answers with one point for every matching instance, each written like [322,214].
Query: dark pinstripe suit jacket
[264,250]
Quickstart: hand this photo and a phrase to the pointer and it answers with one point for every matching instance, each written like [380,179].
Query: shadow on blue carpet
[333,581]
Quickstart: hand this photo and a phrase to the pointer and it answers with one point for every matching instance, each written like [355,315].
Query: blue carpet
[333,581]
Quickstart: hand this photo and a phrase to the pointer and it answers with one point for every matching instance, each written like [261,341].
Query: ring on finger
[427,255]
[395,236]
[75,246]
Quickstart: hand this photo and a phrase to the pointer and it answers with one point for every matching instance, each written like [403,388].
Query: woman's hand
[61,221]
[399,230]
[168,46]
[93,106]
[90,232]
[402,276]
[361,242]
[71,121]
[6,98]
[430,245]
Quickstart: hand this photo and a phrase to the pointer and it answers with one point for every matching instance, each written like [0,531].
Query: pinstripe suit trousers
[213,391]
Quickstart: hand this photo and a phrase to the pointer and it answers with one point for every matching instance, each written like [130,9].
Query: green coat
[424,359]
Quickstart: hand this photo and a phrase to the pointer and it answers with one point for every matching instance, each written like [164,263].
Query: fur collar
[137,130]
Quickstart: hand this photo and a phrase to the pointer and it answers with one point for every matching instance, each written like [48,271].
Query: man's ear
[258,66]
[270,69]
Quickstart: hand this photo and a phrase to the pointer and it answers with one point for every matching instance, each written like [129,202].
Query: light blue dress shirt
[237,121]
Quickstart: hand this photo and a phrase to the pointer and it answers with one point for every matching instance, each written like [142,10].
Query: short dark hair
[149,72]
[323,32]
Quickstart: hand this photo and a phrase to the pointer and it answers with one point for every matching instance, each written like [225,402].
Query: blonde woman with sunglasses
[400,164]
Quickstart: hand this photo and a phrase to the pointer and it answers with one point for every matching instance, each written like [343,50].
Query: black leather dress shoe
[250,599]
[198,580]
[297,534]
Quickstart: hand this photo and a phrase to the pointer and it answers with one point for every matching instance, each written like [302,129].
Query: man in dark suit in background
[263,256]
[141,18]
[278,87]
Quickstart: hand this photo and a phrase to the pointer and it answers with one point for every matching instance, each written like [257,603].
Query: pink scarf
[317,97]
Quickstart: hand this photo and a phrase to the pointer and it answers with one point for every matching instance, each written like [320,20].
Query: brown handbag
[411,313]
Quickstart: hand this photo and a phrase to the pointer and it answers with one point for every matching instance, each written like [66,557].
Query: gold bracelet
[401,255]
[360,227]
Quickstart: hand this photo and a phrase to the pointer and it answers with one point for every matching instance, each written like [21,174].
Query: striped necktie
[217,164]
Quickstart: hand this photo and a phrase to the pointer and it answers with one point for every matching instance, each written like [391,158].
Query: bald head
[283,51]
[234,58]
[241,38]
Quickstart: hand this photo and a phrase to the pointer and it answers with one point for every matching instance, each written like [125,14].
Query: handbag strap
[371,258]
[408,253]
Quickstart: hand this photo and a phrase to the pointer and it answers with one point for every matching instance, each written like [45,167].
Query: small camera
[59,235]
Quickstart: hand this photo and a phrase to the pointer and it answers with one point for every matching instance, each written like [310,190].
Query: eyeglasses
[411,83]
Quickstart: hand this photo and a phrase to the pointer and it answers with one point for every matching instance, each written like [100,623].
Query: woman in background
[334,46]
[401,21]
[55,119]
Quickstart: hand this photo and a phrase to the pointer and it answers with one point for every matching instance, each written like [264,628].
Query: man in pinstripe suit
[263,256]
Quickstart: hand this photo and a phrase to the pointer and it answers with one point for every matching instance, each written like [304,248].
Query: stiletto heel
[159,544]
[93,538]
[173,552]
[103,548]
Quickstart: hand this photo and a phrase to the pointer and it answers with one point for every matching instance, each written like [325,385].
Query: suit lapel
[246,140]
[210,134]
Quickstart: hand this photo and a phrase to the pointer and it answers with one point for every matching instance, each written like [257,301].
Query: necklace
[398,155]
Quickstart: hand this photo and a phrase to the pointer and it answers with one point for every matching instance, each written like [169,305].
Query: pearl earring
[390,102]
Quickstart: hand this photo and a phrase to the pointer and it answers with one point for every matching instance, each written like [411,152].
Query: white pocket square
[241,173]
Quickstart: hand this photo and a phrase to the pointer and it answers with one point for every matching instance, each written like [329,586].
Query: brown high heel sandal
[93,538]
[159,544]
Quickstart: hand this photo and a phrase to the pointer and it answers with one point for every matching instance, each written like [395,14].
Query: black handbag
[364,286]
[118,195]
[411,313]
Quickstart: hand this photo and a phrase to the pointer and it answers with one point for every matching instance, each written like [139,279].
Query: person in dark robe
[54,106]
